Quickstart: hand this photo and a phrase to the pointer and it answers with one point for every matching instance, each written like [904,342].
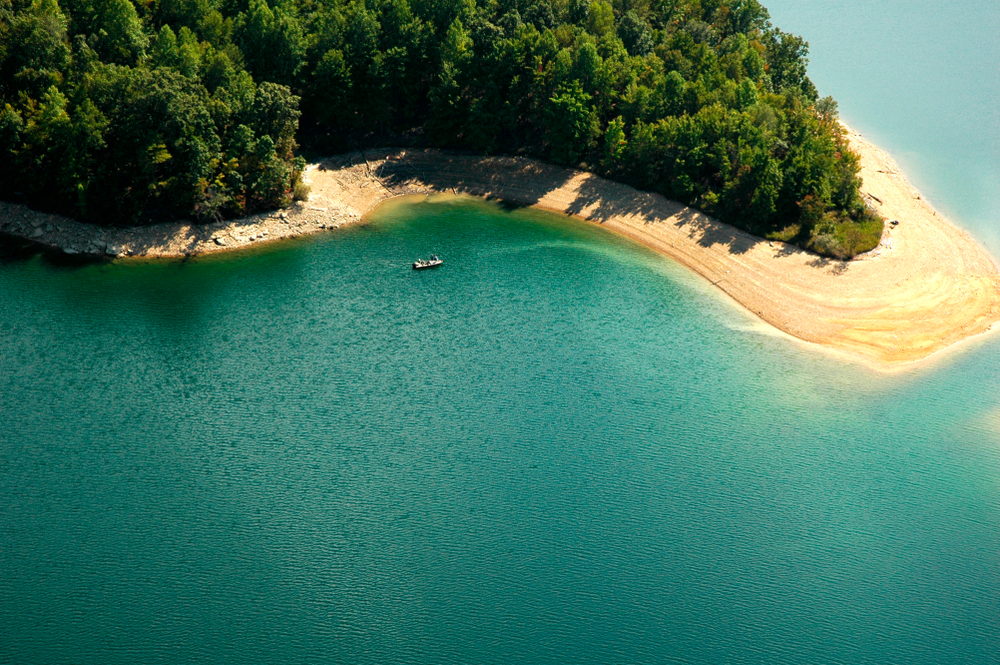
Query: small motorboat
[433,262]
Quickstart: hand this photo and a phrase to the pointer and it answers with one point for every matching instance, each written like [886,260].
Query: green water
[558,447]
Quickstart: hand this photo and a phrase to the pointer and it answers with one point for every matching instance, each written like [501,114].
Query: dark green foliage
[116,117]
[119,111]
[571,123]
[33,48]
[271,41]
[635,33]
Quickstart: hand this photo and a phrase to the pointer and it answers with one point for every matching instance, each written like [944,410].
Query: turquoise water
[922,80]
[558,447]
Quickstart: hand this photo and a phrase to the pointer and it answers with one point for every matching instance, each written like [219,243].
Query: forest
[121,112]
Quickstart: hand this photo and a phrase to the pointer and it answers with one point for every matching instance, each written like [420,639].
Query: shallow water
[557,447]
[922,80]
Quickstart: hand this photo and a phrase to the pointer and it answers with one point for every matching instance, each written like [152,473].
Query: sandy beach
[926,287]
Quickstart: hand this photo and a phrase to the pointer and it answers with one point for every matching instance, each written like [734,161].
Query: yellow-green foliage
[846,238]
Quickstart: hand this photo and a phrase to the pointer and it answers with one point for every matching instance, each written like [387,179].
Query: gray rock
[37,233]
[35,223]
[71,250]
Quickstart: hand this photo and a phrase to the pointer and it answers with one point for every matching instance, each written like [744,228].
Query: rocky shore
[926,287]
[167,240]
[344,188]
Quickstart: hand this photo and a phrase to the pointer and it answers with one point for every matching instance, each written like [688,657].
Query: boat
[433,262]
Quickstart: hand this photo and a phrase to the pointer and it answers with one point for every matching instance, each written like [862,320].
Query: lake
[921,79]
[557,447]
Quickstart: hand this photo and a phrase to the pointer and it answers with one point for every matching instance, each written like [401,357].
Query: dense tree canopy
[117,111]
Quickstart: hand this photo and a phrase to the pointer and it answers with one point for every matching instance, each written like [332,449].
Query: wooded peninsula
[122,113]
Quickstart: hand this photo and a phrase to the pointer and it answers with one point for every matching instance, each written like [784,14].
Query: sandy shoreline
[926,287]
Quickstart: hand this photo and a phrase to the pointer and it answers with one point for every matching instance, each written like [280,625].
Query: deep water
[558,447]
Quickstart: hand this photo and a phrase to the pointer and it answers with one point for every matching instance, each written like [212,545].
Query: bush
[301,191]
[846,238]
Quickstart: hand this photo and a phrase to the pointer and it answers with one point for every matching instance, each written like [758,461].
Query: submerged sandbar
[927,285]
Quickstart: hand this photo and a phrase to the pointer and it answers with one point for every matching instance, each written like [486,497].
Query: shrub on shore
[117,111]
[301,191]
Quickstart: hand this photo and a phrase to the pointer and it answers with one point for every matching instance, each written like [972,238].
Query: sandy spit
[926,287]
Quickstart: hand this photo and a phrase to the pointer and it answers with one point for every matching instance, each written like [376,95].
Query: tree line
[132,112]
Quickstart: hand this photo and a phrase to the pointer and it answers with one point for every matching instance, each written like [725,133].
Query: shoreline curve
[927,286]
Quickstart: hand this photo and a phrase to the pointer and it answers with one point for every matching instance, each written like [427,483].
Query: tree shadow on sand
[516,182]
[708,232]
[519,181]
[833,266]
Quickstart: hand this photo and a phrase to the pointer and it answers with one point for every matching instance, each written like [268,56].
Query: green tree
[272,42]
[786,63]
[635,34]
[134,112]
[333,88]
[572,125]
[448,108]
[600,18]
[115,31]
[33,47]
[615,145]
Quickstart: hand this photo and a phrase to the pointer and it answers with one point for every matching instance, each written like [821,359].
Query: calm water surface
[922,80]
[558,447]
